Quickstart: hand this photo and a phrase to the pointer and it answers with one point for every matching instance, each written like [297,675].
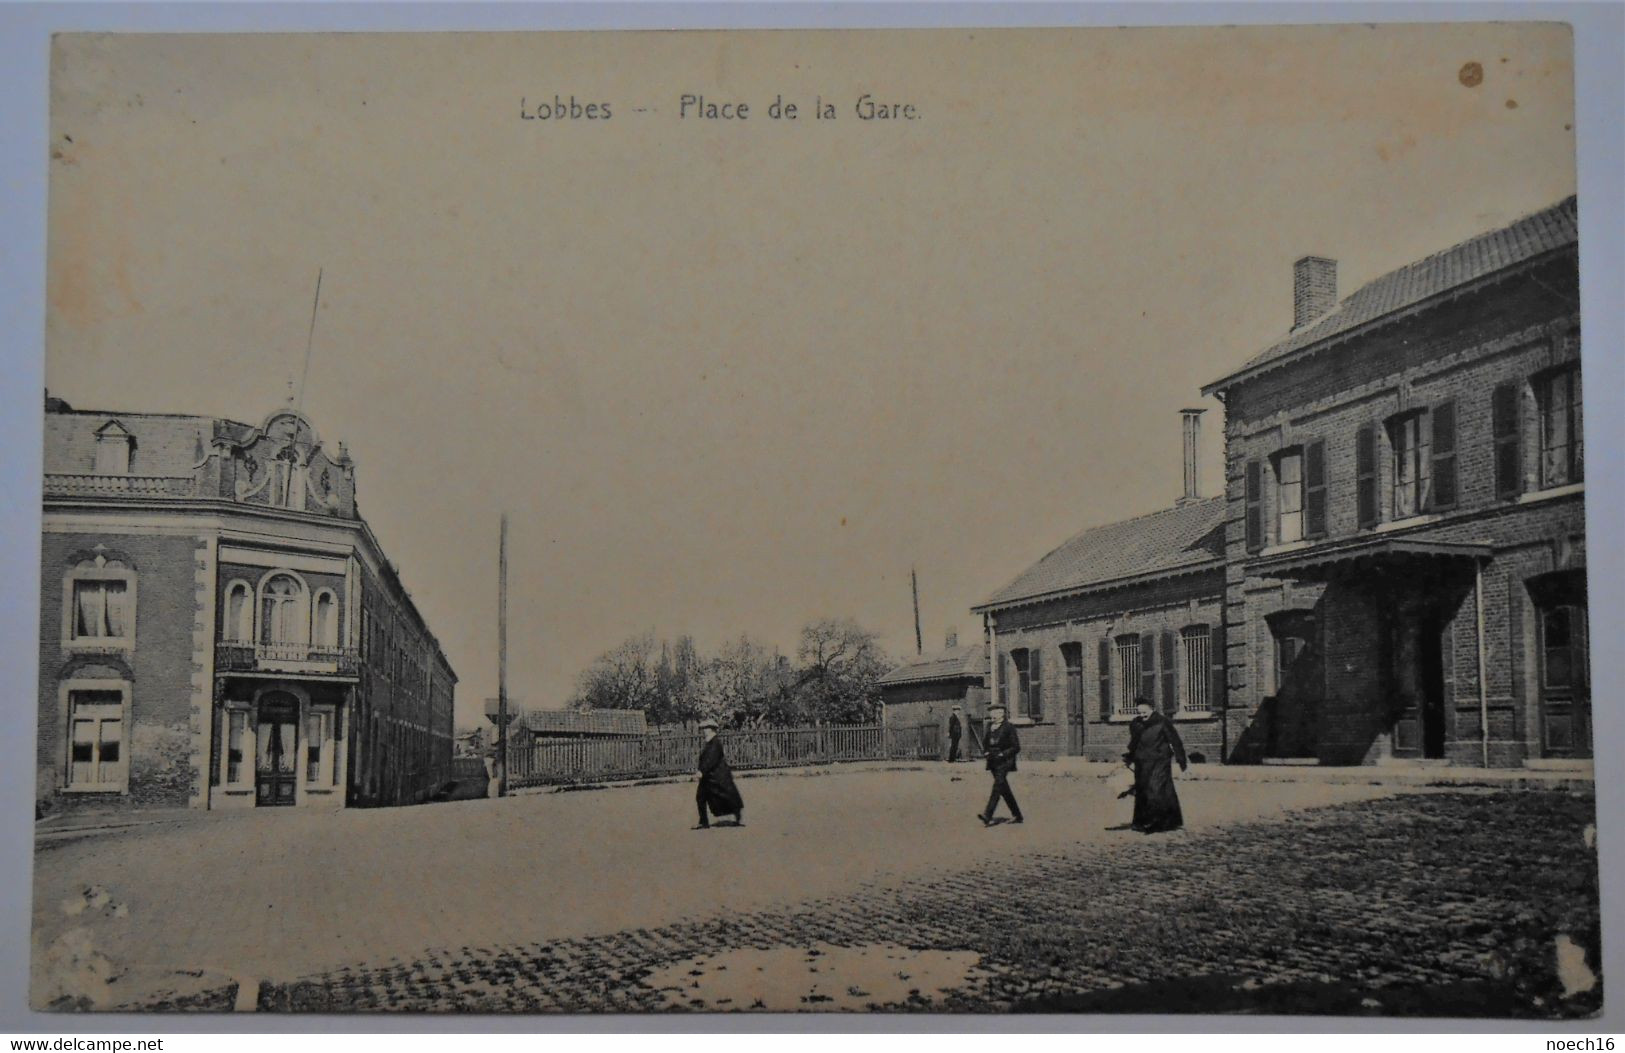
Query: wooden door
[1565,698]
[277,753]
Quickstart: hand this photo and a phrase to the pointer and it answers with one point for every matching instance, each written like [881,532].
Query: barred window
[1128,671]
[1196,649]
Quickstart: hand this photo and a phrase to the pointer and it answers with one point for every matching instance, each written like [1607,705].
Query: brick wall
[1459,354]
[1155,608]
[159,740]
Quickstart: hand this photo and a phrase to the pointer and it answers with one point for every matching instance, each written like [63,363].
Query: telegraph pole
[502,661]
[914,582]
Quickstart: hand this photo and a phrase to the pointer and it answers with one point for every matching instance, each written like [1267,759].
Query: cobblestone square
[847,890]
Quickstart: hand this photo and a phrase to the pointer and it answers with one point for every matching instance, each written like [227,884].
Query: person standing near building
[955,728]
[1002,746]
[1153,745]
[716,790]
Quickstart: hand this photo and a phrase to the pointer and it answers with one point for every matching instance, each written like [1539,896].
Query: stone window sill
[1537,496]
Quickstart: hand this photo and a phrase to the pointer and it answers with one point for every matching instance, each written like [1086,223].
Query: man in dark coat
[1002,747]
[954,730]
[716,790]
[1152,746]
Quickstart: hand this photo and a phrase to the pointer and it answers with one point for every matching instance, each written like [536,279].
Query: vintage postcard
[1070,520]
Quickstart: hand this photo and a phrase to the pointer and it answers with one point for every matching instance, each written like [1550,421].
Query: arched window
[324,620]
[282,606]
[239,620]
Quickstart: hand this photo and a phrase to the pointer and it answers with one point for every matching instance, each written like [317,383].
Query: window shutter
[1170,679]
[1148,667]
[1508,427]
[1255,505]
[1444,455]
[1221,678]
[1365,471]
[1314,489]
[1105,680]
[1035,697]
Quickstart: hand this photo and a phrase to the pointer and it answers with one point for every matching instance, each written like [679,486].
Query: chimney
[1192,420]
[1314,289]
[953,639]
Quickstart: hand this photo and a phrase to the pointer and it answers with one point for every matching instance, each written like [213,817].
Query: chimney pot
[1191,420]
[1314,289]
[953,638]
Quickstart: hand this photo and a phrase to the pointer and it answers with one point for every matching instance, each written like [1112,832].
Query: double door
[276,739]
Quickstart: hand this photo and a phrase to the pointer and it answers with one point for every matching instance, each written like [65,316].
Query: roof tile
[1185,536]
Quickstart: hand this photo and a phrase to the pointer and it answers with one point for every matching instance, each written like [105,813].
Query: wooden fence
[545,762]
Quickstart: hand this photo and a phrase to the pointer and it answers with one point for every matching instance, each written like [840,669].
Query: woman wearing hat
[716,790]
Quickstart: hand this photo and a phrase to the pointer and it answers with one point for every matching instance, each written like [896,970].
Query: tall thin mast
[502,660]
[919,642]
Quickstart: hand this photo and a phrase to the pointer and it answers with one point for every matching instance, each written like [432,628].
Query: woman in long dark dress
[716,790]
[1153,745]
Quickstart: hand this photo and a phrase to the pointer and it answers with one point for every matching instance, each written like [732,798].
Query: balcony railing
[236,656]
[75,484]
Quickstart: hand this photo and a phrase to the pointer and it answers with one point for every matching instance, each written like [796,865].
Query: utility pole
[914,581]
[502,661]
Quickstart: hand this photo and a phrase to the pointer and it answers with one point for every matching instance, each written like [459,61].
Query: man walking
[1002,747]
[954,729]
[716,790]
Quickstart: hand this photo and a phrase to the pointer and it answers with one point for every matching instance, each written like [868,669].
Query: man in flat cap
[716,790]
[1002,747]
[955,729]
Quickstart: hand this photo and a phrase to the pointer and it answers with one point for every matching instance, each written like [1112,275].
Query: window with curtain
[239,622]
[279,611]
[1289,495]
[318,748]
[100,610]
[324,620]
[237,746]
[1562,457]
[1406,435]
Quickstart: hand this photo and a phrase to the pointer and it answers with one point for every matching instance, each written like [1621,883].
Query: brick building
[219,627]
[1405,513]
[924,691]
[1125,610]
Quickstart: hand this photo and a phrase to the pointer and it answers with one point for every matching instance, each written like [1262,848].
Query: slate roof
[1553,228]
[966,660]
[1185,537]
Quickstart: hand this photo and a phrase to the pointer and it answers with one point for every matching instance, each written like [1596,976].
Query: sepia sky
[730,376]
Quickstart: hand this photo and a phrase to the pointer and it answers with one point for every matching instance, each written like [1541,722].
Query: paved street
[847,889]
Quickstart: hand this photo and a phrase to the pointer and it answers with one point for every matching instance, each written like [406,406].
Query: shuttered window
[1314,489]
[1508,433]
[1365,475]
[1105,674]
[1255,505]
[1444,456]
[1035,685]
[1170,676]
[1148,668]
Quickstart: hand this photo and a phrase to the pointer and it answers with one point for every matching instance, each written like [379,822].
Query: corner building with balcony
[1405,514]
[219,628]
